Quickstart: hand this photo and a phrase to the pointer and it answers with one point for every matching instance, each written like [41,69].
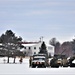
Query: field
[23,69]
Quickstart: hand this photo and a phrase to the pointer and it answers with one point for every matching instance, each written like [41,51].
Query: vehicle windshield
[38,58]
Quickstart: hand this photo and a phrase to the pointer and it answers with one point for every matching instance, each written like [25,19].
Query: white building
[34,48]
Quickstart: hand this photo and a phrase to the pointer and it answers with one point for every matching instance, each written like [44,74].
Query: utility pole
[41,38]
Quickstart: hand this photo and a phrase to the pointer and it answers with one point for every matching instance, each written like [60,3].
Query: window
[34,47]
[34,52]
[29,48]
[25,47]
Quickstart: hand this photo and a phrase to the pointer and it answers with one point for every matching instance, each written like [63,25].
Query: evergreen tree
[9,40]
[43,49]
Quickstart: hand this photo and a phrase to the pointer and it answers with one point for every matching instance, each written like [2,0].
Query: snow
[73,61]
[20,69]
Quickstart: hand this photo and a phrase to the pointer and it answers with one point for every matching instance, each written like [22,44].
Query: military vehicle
[71,61]
[59,60]
[39,60]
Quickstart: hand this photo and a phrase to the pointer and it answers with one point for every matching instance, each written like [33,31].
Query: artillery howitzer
[59,60]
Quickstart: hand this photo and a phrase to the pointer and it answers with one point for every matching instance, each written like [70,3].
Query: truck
[39,60]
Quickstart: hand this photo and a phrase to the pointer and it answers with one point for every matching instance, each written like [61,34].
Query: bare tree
[53,41]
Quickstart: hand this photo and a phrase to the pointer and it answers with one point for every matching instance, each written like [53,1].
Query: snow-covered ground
[20,69]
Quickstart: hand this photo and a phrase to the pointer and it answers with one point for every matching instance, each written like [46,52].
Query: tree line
[10,45]
[68,46]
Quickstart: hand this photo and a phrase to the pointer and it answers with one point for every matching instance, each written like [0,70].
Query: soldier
[30,60]
[21,60]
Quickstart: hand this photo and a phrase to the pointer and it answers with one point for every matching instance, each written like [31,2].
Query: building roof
[36,44]
[29,44]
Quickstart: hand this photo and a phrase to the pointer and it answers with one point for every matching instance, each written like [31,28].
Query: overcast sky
[32,19]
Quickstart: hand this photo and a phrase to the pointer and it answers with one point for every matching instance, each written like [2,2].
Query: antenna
[41,38]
